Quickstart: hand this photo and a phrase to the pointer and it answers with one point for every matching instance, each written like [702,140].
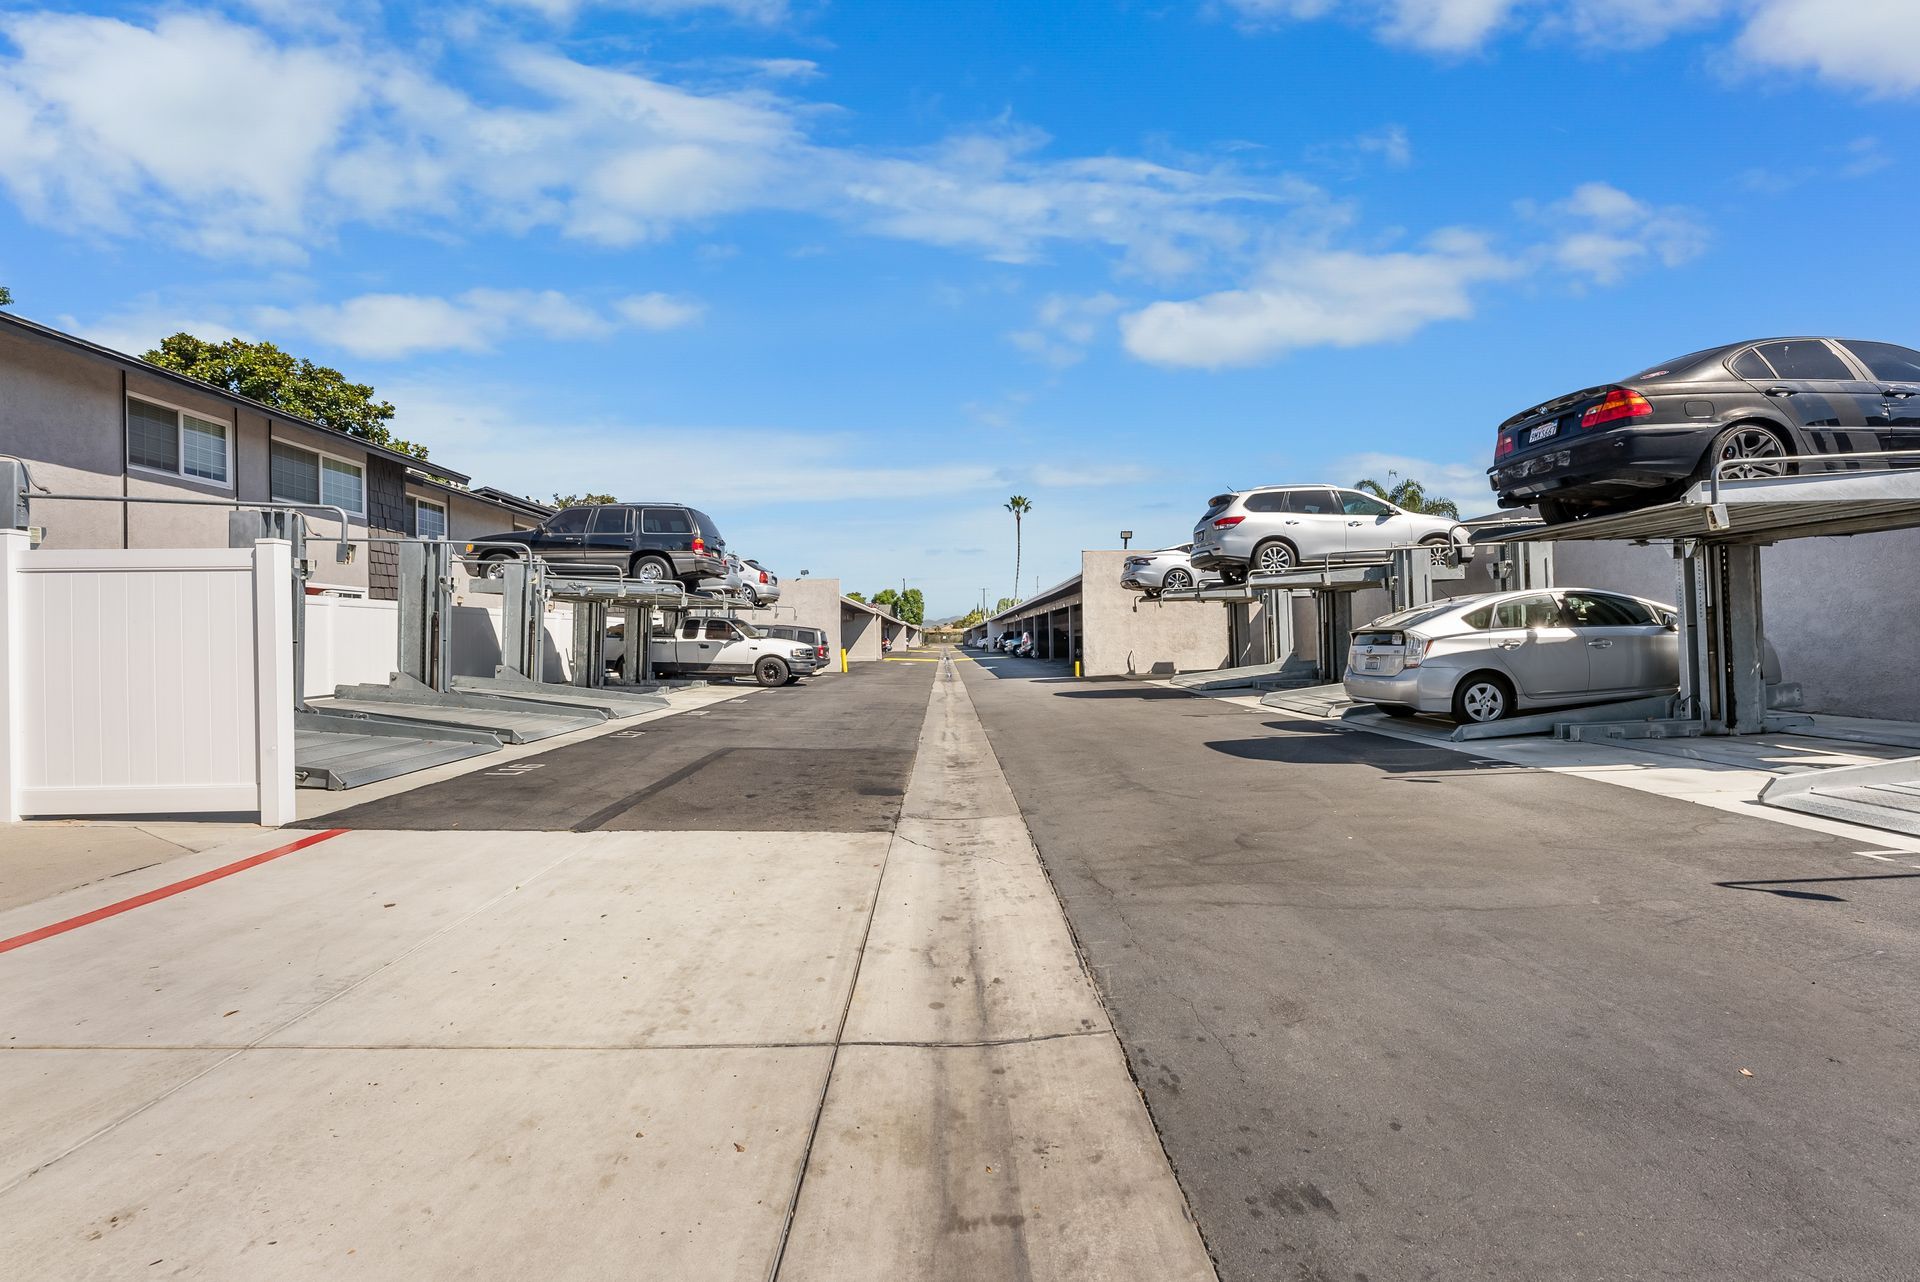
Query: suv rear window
[1216,505]
[1889,363]
[708,530]
[1314,502]
[668,520]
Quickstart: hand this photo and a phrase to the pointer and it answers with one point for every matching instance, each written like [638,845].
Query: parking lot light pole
[1126,537]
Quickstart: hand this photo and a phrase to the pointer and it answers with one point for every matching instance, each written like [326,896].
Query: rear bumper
[698,565]
[1619,462]
[1423,688]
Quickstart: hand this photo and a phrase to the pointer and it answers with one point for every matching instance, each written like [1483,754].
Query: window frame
[414,504]
[1842,359]
[179,443]
[320,478]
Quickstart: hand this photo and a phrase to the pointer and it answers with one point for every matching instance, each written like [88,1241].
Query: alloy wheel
[1275,558]
[1176,580]
[1484,701]
[1750,453]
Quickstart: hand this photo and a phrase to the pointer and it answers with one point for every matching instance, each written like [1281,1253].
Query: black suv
[654,542]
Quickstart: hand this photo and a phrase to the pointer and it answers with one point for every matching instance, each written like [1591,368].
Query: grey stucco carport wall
[807,603]
[860,634]
[1124,635]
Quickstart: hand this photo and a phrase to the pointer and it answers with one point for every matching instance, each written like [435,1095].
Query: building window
[429,519]
[161,438]
[304,476]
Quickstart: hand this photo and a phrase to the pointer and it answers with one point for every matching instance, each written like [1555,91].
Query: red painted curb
[164,892]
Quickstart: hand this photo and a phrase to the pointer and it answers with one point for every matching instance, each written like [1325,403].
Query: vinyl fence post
[13,675]
[273,679]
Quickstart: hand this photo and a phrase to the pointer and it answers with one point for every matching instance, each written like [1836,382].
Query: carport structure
[1053,616]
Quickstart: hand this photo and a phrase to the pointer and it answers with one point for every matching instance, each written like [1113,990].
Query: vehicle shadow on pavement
[1778,887]
[1149,692]
[1294,744]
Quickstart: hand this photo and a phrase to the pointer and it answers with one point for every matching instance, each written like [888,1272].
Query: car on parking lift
[1484,658]
[712,647]
[651,542]
[1164,570]
[1747,407]
[1277,528]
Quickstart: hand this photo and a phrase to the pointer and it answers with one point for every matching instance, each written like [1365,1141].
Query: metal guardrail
[1714,478]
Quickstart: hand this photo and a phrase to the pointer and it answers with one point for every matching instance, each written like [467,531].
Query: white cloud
[1320,298]
[1063,327]
[395,326]
[126,129]
[104,128]
[745,10]
[658,311]
[1865,43]
[1861,44]
[1607,232]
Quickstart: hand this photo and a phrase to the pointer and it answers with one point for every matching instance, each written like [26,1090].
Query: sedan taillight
[1416,649]
[1621,403]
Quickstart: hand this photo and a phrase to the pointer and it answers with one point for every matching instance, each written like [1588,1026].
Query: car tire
[1274,556]
[1397,709]
[651,569]
[1176,580]
[753,598]
[771,671]
[1482,697]
[1554,512]
[1756,441]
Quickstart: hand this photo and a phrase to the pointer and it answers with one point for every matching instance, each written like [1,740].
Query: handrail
[344,542]
[1714,478]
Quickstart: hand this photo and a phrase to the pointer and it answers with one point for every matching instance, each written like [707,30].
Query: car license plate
[1370,664]
[1543,431]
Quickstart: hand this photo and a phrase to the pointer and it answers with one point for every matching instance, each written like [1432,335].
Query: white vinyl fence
[146,681]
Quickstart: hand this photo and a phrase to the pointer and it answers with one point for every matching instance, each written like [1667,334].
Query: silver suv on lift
[1277,528]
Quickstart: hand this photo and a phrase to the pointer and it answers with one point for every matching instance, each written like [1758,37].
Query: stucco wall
[1127,636]
[860,634]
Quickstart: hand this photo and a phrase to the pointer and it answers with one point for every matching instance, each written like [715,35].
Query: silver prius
[1486,657]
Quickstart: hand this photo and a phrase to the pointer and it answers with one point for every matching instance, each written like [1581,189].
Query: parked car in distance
[1168,568]
[1751,406]
[652,542]
[805,636]
[1485,658]
[715,647]
[758,584]
[1277,528]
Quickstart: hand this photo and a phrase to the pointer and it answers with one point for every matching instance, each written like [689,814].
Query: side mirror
[1671,625]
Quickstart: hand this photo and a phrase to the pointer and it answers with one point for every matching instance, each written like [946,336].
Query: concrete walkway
[618,1054]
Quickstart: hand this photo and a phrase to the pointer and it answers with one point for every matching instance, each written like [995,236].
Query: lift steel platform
[1717,528]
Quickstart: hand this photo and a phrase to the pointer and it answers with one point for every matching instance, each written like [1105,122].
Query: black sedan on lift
[1751,405]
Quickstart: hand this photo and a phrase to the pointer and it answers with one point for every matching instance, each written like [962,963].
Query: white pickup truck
[712,647]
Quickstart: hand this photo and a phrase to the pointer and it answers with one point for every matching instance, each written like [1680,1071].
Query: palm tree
[1410,496]
[1019,505]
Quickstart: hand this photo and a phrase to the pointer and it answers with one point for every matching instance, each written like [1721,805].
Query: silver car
[758,584]
[1277,528]
[1487,657]
[1169,568]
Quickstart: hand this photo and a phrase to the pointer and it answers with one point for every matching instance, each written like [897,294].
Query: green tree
[1410,496]
[574,500]
[6,296]
[1019,505]
[912,607]
[1005,603]
[855,596]
[274,377]
[972,618]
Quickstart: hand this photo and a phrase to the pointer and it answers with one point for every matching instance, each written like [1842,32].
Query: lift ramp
[1885,795]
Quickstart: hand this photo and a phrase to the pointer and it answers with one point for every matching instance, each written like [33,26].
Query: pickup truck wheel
[771,671]
[650,569]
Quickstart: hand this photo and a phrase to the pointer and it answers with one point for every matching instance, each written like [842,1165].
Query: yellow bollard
[1076,667]
[843,659]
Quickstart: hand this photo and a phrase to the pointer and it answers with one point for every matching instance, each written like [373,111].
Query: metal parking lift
[526,588]
[1717,529]
[1407,575]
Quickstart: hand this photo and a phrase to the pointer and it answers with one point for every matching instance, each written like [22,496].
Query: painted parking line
[165,892]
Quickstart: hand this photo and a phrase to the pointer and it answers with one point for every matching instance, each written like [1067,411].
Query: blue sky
[849,274]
